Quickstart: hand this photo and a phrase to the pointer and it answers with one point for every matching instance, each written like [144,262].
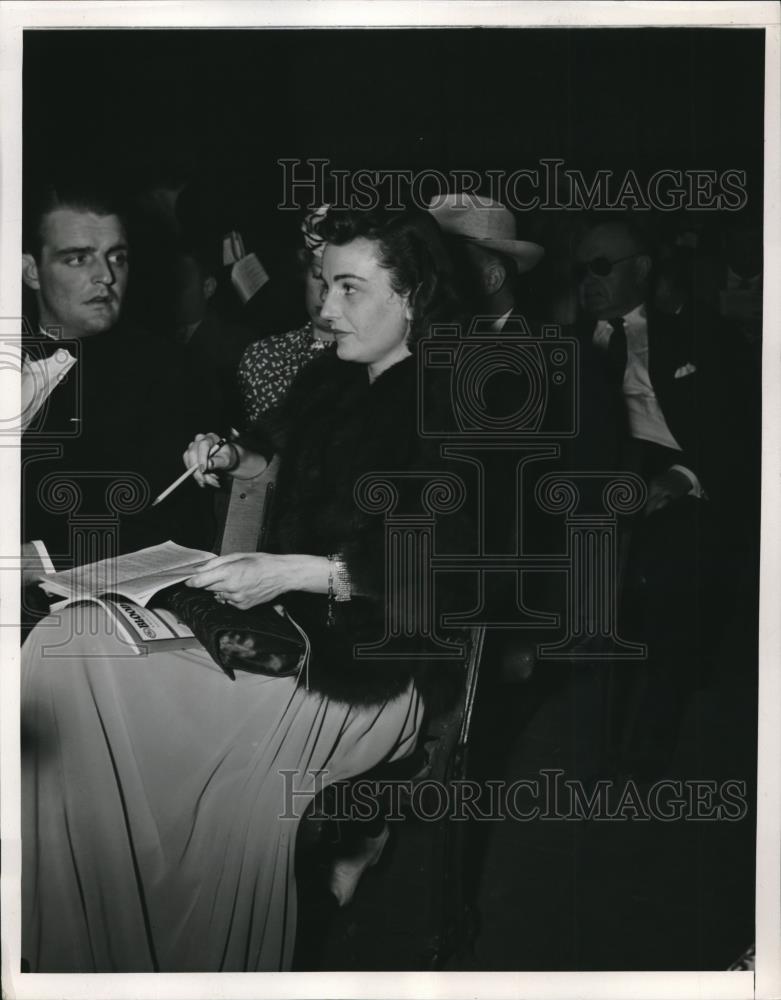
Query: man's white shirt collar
[41,377]
[498,324]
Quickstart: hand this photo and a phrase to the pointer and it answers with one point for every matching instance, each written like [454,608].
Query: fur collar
[338,428]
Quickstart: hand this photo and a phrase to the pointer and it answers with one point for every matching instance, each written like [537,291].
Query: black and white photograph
[390,482]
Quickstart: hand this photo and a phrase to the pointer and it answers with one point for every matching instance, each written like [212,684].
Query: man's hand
[518,660]
[665,488]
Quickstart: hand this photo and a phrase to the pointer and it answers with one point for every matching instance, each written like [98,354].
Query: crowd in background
[236,317]
[180,273]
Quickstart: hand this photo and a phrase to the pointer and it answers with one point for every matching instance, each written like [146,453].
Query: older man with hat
[483,238]
[483,235]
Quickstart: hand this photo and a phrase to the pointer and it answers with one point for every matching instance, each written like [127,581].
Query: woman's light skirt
[161,801]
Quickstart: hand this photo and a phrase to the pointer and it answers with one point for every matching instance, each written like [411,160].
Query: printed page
[138,575]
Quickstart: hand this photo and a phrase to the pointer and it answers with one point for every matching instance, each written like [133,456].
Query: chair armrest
[248,511]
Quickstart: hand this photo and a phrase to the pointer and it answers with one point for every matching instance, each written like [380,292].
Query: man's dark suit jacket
[126,407]
[693,374]
[684,563]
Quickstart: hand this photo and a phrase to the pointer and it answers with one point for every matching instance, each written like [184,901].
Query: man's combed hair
[410,246]
[41,199]
[638,231]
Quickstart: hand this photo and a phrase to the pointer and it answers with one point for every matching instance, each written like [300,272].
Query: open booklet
[124,586]
[137,576]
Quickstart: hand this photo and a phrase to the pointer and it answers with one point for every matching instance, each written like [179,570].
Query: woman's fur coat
[336,427]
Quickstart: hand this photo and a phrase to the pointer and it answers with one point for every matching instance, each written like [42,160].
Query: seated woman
[268,367]
[265,375]
[161,800]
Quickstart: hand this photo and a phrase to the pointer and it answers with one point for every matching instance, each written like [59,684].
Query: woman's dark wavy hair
[410,246]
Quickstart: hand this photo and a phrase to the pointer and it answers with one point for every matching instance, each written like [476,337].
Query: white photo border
[765,983]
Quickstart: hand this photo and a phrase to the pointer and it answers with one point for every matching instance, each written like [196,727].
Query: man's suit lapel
[516,325]
[661,352]
[670,349]
[671,345]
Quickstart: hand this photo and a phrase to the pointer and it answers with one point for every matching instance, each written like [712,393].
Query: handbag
[259,640]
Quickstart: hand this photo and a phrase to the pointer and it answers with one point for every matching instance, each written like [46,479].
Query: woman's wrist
[338,586]
[307,573]
[246,464]
[318,575]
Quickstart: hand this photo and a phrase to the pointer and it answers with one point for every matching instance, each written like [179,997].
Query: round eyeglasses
[600,267]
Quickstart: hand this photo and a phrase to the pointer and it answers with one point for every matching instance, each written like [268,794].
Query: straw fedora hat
[484,222]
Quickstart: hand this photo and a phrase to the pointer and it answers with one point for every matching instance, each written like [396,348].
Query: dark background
[142,102]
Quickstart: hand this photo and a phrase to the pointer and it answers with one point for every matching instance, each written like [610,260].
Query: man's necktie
[616,352]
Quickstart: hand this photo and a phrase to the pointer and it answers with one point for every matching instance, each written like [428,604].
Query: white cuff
[696,488]
[43,555]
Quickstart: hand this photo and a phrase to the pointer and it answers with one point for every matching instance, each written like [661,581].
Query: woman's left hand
[246,579]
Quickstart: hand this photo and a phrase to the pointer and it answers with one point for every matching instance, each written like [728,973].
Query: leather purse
[260,640]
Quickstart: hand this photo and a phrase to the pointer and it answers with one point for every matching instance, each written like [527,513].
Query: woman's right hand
[232,458]
[198,453]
